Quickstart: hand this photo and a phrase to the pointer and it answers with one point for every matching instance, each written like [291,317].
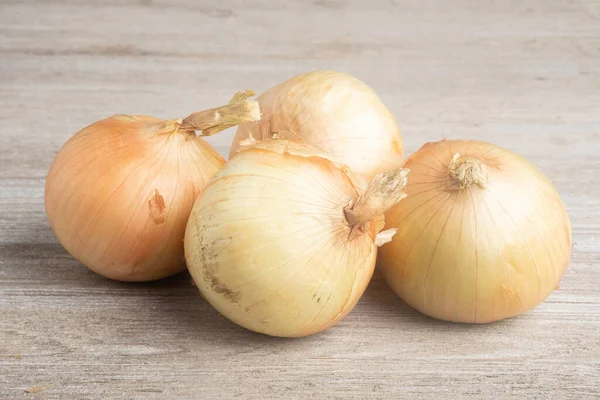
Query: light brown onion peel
[119,192]
[335,112]
[482,234]
[283,240]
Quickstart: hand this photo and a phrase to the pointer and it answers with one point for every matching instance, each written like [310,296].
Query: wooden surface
[522,74]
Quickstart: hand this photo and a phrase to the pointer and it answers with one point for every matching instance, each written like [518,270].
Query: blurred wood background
[522,74]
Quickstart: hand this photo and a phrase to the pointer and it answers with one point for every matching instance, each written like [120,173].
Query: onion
[284,238]
[482,235]
[119,192]
[335,112]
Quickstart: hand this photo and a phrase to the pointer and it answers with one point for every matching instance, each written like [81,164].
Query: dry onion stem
[482,235]
[334,111]
[283,240]
[119,192]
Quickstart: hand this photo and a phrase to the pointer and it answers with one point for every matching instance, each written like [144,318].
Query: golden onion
[284,238]
[482,235]
[333,111]
[119,192]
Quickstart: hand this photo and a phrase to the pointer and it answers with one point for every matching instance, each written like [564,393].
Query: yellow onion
[482,235]
[335,112]
[283,240]
[119,192]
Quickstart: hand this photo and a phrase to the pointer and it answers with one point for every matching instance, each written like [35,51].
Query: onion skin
[119,193]
[333,111]
[478,252]
[269,245]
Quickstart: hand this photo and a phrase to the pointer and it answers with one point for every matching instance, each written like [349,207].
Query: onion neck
[383,192]
[214,120]
[467,171]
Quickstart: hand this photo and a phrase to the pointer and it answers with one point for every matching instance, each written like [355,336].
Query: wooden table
[522,74]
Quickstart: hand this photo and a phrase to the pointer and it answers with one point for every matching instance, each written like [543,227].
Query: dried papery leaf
[384,237]
[248,141]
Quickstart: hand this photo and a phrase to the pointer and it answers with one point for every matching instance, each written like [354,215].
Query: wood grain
[522,74]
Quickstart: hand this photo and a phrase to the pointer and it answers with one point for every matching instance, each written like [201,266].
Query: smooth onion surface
[480,249]
[334,111]
[119,193]
[269,245]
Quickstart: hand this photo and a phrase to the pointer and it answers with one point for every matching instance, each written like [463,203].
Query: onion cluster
[284,237]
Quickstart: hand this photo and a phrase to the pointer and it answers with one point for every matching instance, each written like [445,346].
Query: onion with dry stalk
[333,111]
[283,240]
[119,192]
[482,235]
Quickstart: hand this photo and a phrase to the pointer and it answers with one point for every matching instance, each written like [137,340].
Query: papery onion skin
[268,243]
[119,193]
[493,249]
[334,111]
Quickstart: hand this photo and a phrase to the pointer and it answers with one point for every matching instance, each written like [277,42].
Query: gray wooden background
[522,74]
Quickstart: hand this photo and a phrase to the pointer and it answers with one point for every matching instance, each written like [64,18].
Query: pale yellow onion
[334,111]
[119,192]
[283,239]
[482,235]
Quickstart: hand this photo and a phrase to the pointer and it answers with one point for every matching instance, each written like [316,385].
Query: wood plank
[522,74]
